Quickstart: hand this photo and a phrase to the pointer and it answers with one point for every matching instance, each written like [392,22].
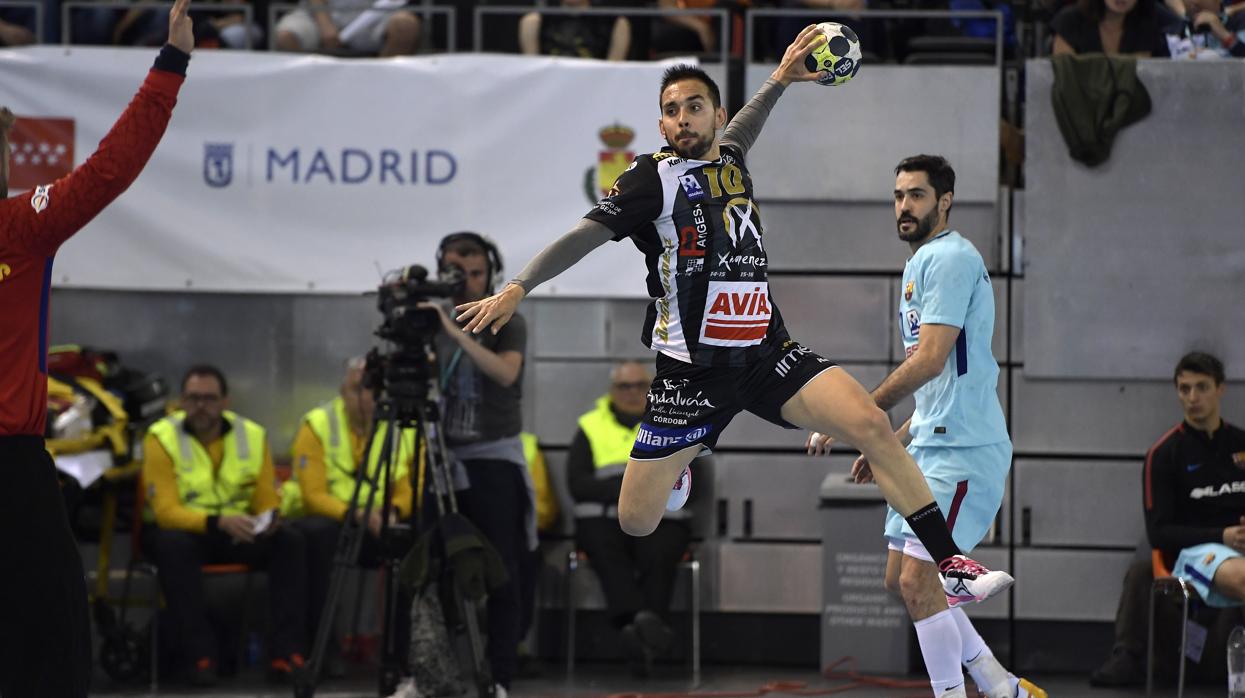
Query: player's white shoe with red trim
[682,488]
[966,581]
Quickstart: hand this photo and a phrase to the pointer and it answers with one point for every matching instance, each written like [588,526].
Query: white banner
[285,173]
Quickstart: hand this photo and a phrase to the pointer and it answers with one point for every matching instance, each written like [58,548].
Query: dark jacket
[1094,97]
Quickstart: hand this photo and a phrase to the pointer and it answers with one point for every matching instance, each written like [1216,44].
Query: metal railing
[28,5]
[425,10]
[723,16]
[67,9]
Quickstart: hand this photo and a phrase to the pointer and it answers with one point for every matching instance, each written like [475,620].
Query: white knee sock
[989,675]
[940,646]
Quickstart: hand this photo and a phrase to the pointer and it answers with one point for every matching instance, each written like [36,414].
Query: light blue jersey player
[957,434]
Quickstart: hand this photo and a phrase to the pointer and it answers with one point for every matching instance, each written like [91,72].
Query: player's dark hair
[1200,362]
[941,175]
[684,71]
[206,370]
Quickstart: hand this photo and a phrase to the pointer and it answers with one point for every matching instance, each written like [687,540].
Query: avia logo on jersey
[1237,487]
[692,188]
[737,314]
[651,438]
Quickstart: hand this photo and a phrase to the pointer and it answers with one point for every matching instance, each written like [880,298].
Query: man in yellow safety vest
[209,481]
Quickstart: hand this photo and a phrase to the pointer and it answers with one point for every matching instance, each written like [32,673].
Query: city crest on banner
[611,162]
[218,164]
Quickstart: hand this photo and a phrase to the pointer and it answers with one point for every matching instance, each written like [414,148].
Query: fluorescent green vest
[229,489]
[531,446]
[611,442]
[331,426]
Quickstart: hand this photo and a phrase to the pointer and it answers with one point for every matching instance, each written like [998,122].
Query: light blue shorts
[1197,565]
[967,483]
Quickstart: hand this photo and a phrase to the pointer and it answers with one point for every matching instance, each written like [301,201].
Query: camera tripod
[407,400]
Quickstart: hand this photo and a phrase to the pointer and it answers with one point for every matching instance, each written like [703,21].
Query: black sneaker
[653,631]
[639,655]
[1122,668]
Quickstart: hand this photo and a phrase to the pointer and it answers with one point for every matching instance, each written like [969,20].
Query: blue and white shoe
[682,488]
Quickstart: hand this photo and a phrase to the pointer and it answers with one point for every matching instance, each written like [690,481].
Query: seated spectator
[1208,31]
[685,34]
[211,486]
[331,26]
[636,574]
[580,36]
[12,31]
[1195,514]
[787,28]
[1113,27]
[327,451]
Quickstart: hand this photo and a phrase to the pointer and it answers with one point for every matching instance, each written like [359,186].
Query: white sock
[940,646]
[971,643]
[989,675]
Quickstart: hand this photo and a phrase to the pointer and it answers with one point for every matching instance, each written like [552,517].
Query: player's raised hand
[181,33]
[492,312]
[791,68]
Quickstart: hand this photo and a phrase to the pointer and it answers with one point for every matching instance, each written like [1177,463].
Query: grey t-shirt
[477,408]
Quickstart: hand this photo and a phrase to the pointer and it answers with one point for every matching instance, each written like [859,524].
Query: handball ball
[838,60]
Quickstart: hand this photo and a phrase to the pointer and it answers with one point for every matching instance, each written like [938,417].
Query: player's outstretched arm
[745,128]
[496,310]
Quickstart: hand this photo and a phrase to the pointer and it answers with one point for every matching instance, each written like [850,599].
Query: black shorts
[690,404]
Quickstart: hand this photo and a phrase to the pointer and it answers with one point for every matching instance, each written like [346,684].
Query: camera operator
[480,377]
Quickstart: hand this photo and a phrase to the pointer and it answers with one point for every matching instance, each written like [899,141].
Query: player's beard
[923,226]
[696,151]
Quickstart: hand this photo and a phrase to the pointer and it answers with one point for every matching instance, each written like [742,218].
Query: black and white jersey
[702,239]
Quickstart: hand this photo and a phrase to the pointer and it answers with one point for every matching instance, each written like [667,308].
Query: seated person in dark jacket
[1194,496]
[636,573]
[577,36]
[1208,31]
[1113,27]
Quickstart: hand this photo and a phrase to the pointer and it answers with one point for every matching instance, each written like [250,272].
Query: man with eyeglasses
[327,451]
[636,573]
[211,490]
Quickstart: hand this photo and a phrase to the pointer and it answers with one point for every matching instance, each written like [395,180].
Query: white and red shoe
[682,488]
[965,581]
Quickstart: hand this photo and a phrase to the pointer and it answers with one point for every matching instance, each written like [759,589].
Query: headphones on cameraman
[491,255]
